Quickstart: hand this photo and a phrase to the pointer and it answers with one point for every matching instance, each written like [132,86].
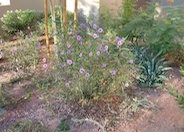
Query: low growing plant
[25,57]
[179,98]
[29,126]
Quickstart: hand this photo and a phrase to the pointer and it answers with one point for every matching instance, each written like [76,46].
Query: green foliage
[152,68]
[179,98]
[29,126]
[14,22]
[25,57]
[128,10]
[182,69]
[63,126]
[157,31]
[57,21]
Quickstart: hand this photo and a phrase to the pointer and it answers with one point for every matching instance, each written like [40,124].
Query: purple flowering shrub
[90,63]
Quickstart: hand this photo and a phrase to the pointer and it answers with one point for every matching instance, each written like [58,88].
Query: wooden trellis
[63,18]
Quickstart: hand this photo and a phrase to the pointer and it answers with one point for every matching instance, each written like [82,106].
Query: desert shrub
[29,126]
[152,67]
[157,31]
[25,57]
[92,64]
[15,21]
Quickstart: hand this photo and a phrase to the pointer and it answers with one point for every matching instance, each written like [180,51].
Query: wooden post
[46,26]
[76,14]
[64,15]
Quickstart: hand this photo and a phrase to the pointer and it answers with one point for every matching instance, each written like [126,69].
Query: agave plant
[152,69]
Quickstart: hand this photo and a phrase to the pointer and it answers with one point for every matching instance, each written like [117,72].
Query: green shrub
[91,64]
[152,68]
[16,21]
[25,57]
[158,31]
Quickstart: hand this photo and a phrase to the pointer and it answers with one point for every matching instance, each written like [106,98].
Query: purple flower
[82,25]
[67,84]
[98,53]
[87,75]
[69,52]
[44,66]
[100,30]
[131,62]
[12,119]
[79,37]
[81,70]
[44,60]
[113,72]
[63,65]
[104,65]
[95,36]
[68,45]
[94,26]
[106,48]
[80,55]
[100,47]
[117,39]
[91,54]
[69,62]
[121,42]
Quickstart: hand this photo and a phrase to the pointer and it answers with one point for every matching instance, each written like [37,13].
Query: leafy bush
[13,22]
[92,64]
[152,68]
[25,57]
[157,31]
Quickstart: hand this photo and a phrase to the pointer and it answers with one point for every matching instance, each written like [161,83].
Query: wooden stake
[76,14]
[64,15]
[46,26]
